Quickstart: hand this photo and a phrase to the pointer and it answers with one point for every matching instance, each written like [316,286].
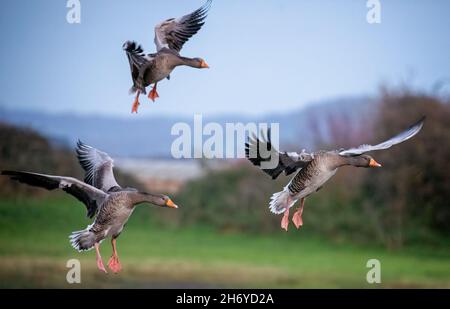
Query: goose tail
[280,201]
[83,240]
[133,90]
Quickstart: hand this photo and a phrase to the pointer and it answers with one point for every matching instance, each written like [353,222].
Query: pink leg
[136,103]
[297,217]
[153,94]
[285,220]
[114,263]
[99,258]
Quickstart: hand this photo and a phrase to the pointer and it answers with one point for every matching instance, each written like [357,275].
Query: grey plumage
[399,138]
[288,162]
[90,196]
[98,166]
[314,169]
[138,63]
[173,33]
[170,36]
[105,200]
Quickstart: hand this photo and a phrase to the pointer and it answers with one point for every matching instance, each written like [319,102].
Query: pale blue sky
[265,56]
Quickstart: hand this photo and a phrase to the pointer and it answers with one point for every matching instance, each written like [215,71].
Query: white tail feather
[83,240]
[281,201]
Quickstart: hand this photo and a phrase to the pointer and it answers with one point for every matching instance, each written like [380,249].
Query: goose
[314,169]
[105,200]
[170,36]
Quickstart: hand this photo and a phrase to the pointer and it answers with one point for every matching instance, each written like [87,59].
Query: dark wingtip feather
[204,8]
[132,47]
[80,144]
[421,120]
[80,148]
[207,6]
[417,125]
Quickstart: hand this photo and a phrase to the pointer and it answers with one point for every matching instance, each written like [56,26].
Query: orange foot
[114,264]
[136,103]
[153,94]
[297,219]
[100,265]
[285,220]
[134,109]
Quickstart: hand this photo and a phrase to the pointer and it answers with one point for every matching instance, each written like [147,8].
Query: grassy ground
[34,249]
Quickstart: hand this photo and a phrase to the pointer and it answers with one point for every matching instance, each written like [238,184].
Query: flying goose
[105,200]
[314,169]
[170,36]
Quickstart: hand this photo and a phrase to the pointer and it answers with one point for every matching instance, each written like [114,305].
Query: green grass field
[34,249]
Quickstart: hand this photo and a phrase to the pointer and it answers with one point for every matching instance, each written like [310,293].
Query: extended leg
[99,258]
[114,263]
[297,217]
[153,94]
[136,103]
[285,220]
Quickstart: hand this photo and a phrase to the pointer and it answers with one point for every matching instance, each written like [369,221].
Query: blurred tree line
[25,150]
[410,196]
[406,201]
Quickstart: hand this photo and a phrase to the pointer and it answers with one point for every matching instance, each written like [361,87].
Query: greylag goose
[170,36]
[105,200]
[314,169]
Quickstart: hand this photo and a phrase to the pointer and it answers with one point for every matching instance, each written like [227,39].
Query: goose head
[200,63]
[363,161]
[159,200]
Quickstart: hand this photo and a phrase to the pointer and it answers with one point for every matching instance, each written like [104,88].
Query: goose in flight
[313,169]
[105,200]
[170,36]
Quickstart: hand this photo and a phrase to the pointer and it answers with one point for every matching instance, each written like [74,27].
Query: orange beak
[171,204]
[373,163]
[204,65]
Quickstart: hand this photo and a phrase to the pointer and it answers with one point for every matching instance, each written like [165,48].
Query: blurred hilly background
[223,234]
[155,132]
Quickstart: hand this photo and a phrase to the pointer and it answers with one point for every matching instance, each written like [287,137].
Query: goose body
[112,215]
[160,67]
[313,176]
[170,36]
[105,200]
[313,170]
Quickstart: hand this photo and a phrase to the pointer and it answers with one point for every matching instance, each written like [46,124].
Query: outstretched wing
[98,166]
[399,138]
[174,32]
[138,62]
[135,55]
[288,162]
[91,197]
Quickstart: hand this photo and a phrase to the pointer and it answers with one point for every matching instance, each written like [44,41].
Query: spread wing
[91,197]
[174,32]
[98,166]
[288,162]
[138,60]
[399,138]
